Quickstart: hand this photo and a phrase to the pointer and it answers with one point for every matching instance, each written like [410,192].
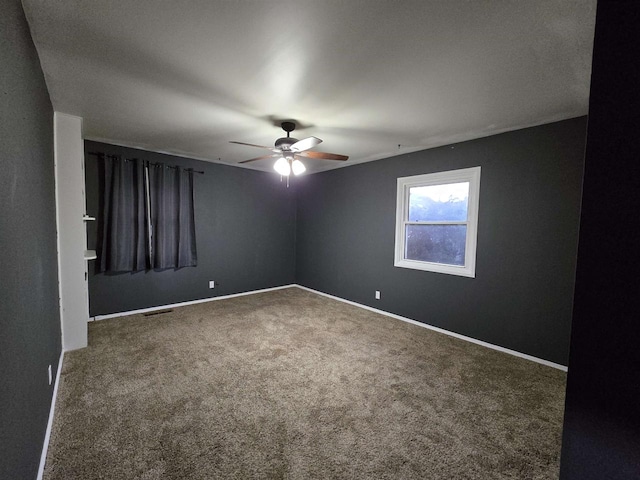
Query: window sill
[436,268]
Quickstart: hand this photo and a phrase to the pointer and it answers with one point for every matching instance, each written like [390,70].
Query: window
[437,222]
[147,219]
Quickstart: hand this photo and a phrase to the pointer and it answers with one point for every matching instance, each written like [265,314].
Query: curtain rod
[100,154]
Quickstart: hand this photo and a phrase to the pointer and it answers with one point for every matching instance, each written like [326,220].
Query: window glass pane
[439,202]
[436,243]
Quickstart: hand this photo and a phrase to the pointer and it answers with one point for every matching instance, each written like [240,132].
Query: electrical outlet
[377,294]
[49,372]
[212,284]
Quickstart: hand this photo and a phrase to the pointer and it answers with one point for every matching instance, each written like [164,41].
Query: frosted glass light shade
[298,167]
[282,167]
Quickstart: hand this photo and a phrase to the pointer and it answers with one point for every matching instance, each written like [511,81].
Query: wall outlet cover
[50,376]
[212,284]
[377,294]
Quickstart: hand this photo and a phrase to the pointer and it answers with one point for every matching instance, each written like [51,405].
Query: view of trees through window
[439,234]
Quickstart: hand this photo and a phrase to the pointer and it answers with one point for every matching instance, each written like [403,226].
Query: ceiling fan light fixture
[288,148]
[282,167]
[298,167]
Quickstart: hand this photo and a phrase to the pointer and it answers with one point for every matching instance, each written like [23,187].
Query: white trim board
[192,302]
[366,307]
[441,330]
[71,230]
[47,435]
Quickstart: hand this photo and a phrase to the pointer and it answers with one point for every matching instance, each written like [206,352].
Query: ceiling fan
[289,150]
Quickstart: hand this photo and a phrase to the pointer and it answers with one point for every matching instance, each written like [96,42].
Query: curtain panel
[122,240]
[147,217]
[173,233]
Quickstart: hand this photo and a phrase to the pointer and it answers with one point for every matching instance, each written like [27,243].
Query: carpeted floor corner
[292,385]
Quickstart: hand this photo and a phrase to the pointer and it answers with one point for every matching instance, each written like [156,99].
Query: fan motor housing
[285,143]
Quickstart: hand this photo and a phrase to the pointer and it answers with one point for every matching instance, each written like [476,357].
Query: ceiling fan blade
[305,144]
[253,145]
[260,158]
[323,155]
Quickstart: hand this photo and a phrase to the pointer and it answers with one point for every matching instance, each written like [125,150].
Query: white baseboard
[441,330]
[366,307]
[192,302]
[47,435]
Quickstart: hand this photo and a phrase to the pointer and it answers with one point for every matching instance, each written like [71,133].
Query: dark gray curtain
[172,216]
[122,242]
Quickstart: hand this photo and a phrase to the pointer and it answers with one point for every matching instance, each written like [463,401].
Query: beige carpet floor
[292,385]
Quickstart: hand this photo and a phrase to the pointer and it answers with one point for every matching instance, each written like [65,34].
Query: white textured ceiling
[371,78]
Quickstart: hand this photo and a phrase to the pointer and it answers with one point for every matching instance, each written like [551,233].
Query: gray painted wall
[29,315]
[521,297]
[245,233]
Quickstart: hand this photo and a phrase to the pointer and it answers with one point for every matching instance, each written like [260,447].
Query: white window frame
[471,175]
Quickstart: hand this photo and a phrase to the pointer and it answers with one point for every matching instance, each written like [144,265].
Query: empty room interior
[328,240]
